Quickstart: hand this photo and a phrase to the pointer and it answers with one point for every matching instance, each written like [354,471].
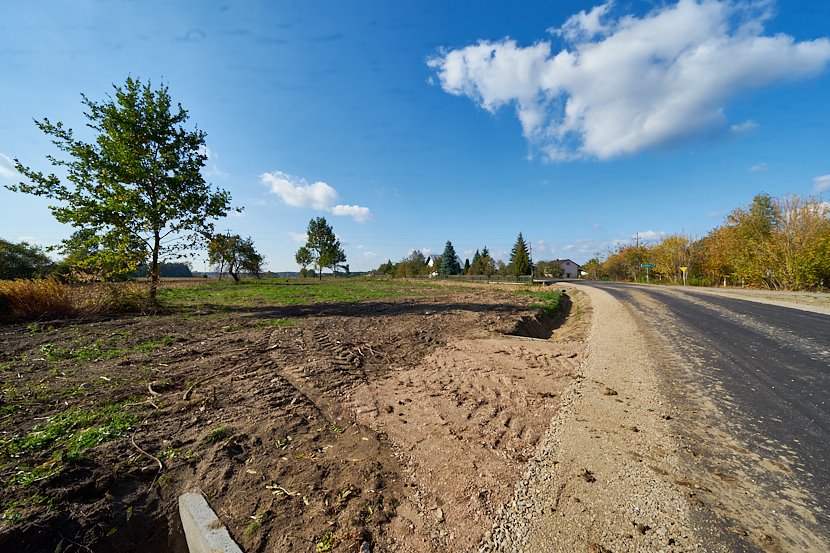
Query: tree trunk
[154,268]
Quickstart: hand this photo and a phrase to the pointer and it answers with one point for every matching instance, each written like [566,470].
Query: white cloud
[584,25]
[651,235]
[212,169]
[7,170]
[743,128]
[368,254]
[630,83]
[569,247]
[822,183]
[759,168]
[358,213]
[296,192]
[298,237]
[541,247]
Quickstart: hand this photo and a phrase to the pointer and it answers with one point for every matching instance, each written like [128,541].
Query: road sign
[647,265]
[684,269]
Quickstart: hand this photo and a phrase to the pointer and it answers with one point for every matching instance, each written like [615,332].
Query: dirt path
[607,477]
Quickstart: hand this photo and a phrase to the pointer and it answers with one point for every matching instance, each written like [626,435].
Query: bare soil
[384,425]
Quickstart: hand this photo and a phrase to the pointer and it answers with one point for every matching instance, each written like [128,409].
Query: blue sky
[407,124]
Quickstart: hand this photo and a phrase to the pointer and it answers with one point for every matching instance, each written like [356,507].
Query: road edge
[603,478]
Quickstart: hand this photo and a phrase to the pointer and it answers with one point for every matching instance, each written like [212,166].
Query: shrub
[114,297]
[35,298]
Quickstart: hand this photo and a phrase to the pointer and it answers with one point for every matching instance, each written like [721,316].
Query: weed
[68,435]
[326,543]
[154,344]
[283,443]
[89,352]
[5,367]
[35,298]
[275,323]
[12,514]
[35,328]
[550,301]
[218,434]
[256,523]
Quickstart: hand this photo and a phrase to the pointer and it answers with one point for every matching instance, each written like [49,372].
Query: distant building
[434,263]
[569,268]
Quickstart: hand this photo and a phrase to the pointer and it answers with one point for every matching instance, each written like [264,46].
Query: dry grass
[48,298]
[35,298]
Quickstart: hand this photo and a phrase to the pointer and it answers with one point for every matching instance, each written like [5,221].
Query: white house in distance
[569,268]
[432,263]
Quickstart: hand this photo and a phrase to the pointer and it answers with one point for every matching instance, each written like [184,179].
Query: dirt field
[394,424]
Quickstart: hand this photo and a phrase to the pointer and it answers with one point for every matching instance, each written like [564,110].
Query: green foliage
[593,268]
[323,246]
[326,542]
[303,258]
[23,260]
[387,268]
[520,262]
[168,269]
[276,323]
[549,300]
[218,434]
[415,264]
[68,436]
[549,269]
[483,263]
[234,254]
[138,188]
[777,243]
[449,261]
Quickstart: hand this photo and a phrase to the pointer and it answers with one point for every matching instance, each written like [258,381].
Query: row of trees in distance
[449,264]
[775,243]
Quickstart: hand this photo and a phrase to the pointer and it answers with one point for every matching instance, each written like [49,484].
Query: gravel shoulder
[607,476]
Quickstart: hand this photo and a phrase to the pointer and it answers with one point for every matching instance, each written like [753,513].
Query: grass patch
[218,434]
[274,292]
[155,344]
[65,438]
[276,323]
[88,352]
[548,303]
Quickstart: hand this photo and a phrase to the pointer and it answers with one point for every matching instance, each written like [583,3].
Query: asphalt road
[765,368]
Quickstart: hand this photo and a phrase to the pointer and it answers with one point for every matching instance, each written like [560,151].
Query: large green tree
[138,186]
[22,260]
[449,261]
[520,262]
[303,258]
[235,254]
[323,245]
